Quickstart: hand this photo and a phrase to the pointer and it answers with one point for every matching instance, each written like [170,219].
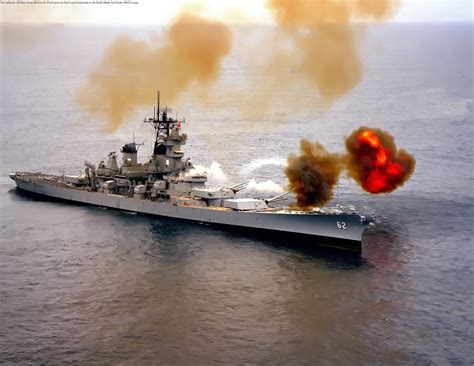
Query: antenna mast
[158,104]
[162,125]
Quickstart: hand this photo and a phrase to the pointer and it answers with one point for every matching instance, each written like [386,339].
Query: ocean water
[84,285]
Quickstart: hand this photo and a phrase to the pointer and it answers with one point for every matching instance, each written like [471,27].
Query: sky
[146,12]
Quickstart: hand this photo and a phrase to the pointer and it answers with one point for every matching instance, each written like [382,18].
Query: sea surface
[84,285]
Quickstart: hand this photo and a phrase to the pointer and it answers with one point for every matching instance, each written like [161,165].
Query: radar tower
[162,125]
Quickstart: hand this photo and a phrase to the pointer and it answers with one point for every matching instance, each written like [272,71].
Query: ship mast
[162,125]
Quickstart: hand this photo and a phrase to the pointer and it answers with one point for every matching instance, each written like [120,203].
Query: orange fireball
[374,161]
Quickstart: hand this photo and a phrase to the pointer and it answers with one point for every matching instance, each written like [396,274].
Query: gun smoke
[264,186]
[316,46]
[326,40]
[372,160]
[313,174]
[214,171]
[190,53]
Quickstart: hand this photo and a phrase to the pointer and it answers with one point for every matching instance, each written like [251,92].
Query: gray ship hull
[336,228]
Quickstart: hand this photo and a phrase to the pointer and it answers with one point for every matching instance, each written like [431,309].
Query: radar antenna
[162,125]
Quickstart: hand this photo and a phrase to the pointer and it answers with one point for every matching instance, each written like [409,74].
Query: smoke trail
[265,186]
[325,38]
[313,174]
[258,163]
[374,162]
[131,71]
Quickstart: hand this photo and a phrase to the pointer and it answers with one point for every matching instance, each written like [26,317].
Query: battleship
[169,185]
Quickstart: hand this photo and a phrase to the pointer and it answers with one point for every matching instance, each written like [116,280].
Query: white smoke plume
[214,171]
[257,164]
[265,186]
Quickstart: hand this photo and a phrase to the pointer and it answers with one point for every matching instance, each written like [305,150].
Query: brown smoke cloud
[313,174]
[371,159]
[131,71]
[325,38]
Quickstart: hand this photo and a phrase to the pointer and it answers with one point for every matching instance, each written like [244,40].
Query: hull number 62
[341,225]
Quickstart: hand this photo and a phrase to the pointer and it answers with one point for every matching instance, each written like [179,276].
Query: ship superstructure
[169,185]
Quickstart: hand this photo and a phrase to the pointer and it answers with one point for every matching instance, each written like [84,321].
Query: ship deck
[57,181]
[43,179]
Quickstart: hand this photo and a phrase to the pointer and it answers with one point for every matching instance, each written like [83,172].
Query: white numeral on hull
[341,225]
